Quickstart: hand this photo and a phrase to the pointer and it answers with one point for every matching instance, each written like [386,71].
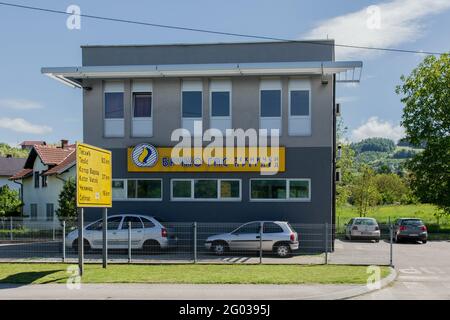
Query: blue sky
[34,107]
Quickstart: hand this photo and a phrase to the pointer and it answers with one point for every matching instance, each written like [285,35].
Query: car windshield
[366,222]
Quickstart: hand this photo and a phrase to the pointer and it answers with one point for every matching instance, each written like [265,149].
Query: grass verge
[195,274]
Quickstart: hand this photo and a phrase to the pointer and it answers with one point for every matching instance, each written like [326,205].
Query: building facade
[136,96]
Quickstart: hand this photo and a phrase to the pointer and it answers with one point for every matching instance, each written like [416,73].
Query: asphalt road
[423,273]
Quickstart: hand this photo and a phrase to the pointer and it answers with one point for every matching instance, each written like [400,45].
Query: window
[298,189]
[136,223]
[270,103]
[268,189]
[113,105]
[230,189]
[114,222]
[142,121]
[144,189]
[142,105]
[271,227]
[191,103]
[50,211]
[114,109]
[252,227]
[96,226]
[280,189]
[220,104]
[147,223]
[44,181]
[36,179]
[118,190]
[299,122]
[299,103]
[206,189]
[33,211]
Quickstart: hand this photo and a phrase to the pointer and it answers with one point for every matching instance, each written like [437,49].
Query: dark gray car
[410,229]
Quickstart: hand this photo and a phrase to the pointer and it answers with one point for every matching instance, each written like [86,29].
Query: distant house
[8,167]
[28,145]
[42,177]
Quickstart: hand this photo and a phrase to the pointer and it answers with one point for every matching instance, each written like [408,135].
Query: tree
[6,149]
[391,188]
[346,166]
[67,201]
[10,203]
[426,119]
[364,191]
[374,144]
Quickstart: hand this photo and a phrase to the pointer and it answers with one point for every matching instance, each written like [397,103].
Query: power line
[260,37]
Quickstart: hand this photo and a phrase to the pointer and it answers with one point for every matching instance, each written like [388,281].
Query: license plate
[366,233]
[413,235]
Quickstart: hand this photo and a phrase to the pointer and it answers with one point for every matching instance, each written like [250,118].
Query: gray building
[134,96]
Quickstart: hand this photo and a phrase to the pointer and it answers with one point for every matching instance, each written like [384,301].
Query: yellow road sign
[94,176]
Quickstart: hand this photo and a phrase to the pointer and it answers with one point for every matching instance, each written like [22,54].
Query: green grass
[195,274]
[382,213]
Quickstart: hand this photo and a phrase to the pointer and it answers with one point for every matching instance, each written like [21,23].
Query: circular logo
[144,155]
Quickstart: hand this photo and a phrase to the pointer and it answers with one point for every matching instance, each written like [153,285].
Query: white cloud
[20,104]
[21,125]
[398,22]
[377,128]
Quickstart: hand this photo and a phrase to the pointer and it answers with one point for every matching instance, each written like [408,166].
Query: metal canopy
[346,71]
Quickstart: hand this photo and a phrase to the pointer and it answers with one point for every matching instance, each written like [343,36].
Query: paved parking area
[423,272]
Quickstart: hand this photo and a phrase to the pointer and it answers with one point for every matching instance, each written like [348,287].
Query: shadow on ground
[24,278]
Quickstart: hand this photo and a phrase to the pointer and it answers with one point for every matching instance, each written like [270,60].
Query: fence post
[64,241]
[326,243]
[391,235]
[195,242]
[11,228]
[129,241]
[260,242]
[53,229]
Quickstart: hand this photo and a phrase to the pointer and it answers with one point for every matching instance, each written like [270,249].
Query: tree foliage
[426,119]
[67,201]
[10,202]
[364,192]
[374,144]
[6,149]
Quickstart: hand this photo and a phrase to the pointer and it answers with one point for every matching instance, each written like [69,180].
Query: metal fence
[187,242]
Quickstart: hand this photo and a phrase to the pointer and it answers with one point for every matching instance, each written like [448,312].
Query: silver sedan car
[277,237]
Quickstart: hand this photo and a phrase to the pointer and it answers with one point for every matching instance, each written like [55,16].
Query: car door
[113,232]
[348,227]
[93,233]
[137,232]
[246,237]
[272,233]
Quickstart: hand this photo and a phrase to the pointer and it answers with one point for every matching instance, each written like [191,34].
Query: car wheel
[219,247]
[87,246]
[424,241]
[151,246]
[283,250]
[377,240]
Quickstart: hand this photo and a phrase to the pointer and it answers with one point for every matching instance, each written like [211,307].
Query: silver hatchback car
[277,237]
[362,228]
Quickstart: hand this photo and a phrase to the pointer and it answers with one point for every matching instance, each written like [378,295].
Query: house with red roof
[42,177]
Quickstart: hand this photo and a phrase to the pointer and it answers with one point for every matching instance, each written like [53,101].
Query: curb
[359,290]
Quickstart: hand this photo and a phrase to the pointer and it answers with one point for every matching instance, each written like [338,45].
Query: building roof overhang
[346,71]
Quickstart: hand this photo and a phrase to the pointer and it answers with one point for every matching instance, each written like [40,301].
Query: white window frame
[295,121]
[140,199]
[288,198]
[141,86]
[220,85]
[271,84]
[218,199]
[189,85]
[124,188]
[113,87]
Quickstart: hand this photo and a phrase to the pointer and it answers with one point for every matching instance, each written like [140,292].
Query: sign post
[94,190]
